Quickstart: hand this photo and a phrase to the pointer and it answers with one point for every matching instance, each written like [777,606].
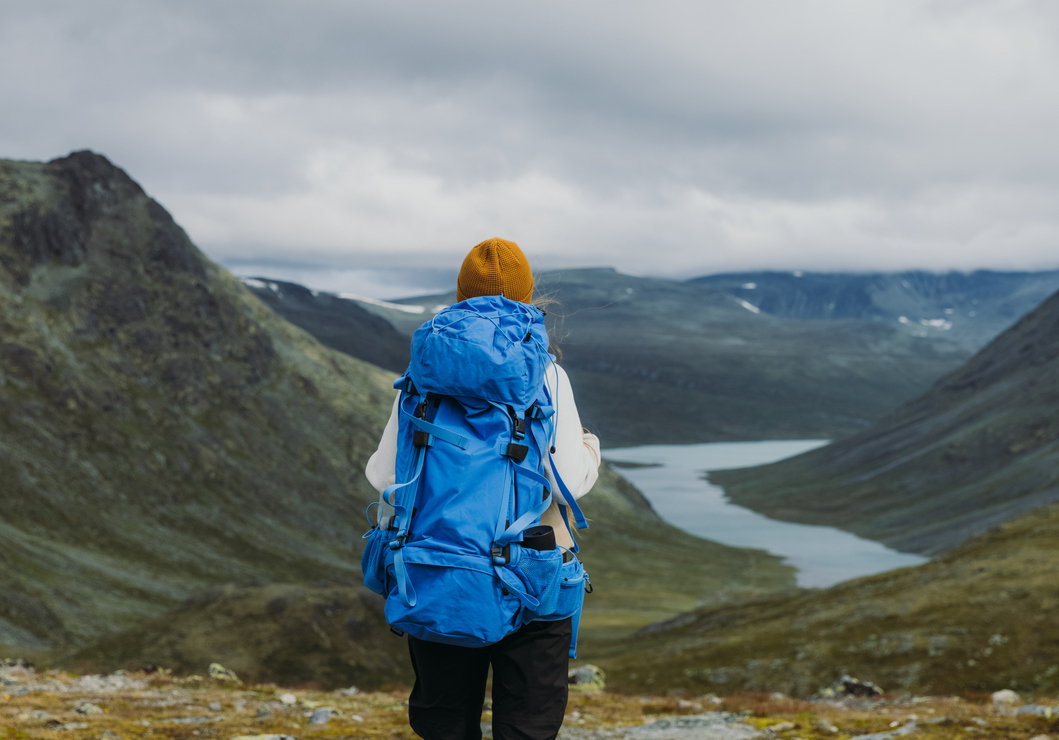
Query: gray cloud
[674,138]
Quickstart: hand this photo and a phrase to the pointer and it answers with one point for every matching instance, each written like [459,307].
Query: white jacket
[576,452]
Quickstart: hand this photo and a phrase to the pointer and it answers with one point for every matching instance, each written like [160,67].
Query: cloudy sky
[303,137]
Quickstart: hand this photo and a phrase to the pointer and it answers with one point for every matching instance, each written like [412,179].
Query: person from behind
[427,500]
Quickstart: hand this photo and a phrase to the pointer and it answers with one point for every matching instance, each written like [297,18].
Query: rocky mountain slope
[978,618]
[981,446]
[160,429]
[662,361]
[972,308]
[163,433]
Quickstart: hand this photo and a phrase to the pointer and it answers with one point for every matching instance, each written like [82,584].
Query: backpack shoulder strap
[579,516]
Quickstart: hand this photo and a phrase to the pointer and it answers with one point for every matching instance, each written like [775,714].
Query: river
[673,480]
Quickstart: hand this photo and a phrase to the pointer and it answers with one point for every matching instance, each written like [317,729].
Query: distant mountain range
[971,307]
[181,469]
[663,361]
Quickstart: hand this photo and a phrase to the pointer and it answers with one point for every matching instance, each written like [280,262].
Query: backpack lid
[487,347]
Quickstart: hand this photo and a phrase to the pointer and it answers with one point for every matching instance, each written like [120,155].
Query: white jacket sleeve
[381,470]
[576,451]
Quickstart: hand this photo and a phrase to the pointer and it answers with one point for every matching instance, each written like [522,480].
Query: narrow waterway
[673,478]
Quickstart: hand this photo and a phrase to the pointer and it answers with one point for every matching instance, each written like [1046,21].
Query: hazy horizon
[398,282]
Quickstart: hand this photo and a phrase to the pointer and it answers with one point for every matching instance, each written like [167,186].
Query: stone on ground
[587,678]
[219,673]
[322,716]
[1004,700]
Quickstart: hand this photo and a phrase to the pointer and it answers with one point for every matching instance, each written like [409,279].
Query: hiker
[530,665]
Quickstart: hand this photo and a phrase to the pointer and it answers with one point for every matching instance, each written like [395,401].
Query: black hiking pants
[529,685]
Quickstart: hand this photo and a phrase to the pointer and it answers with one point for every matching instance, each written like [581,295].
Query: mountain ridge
[136,379]
[971,307]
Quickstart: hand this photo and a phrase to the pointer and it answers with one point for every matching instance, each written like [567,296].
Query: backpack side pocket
[540,571]
[373,561]
[572,578]
[573,584]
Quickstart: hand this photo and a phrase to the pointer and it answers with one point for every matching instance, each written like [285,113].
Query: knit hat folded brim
[495,267]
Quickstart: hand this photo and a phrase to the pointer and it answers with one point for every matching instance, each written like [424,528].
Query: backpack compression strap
[579,516]
[435,431]
[404,509]
[512,533]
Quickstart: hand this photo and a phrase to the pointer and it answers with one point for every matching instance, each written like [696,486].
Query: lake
[675,485]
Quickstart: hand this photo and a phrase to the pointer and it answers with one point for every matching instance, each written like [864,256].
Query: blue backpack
[474,432]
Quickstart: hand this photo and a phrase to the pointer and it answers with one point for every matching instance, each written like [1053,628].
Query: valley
[183,469]
[183,480]
[977,449]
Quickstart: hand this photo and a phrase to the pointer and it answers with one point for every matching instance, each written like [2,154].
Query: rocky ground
[129,706]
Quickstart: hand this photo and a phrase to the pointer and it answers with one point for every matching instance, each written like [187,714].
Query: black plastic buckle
[520,428]
[421,410]
[397,632]
[410,387]
[517,452]
[501,555]
[397,542]
[422,439]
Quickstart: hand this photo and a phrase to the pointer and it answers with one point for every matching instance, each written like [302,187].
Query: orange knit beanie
[495,267]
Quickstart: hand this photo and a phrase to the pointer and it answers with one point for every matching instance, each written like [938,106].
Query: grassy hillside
[163,433]
[334,634]
[979,618]
[326,634]
[981,446]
